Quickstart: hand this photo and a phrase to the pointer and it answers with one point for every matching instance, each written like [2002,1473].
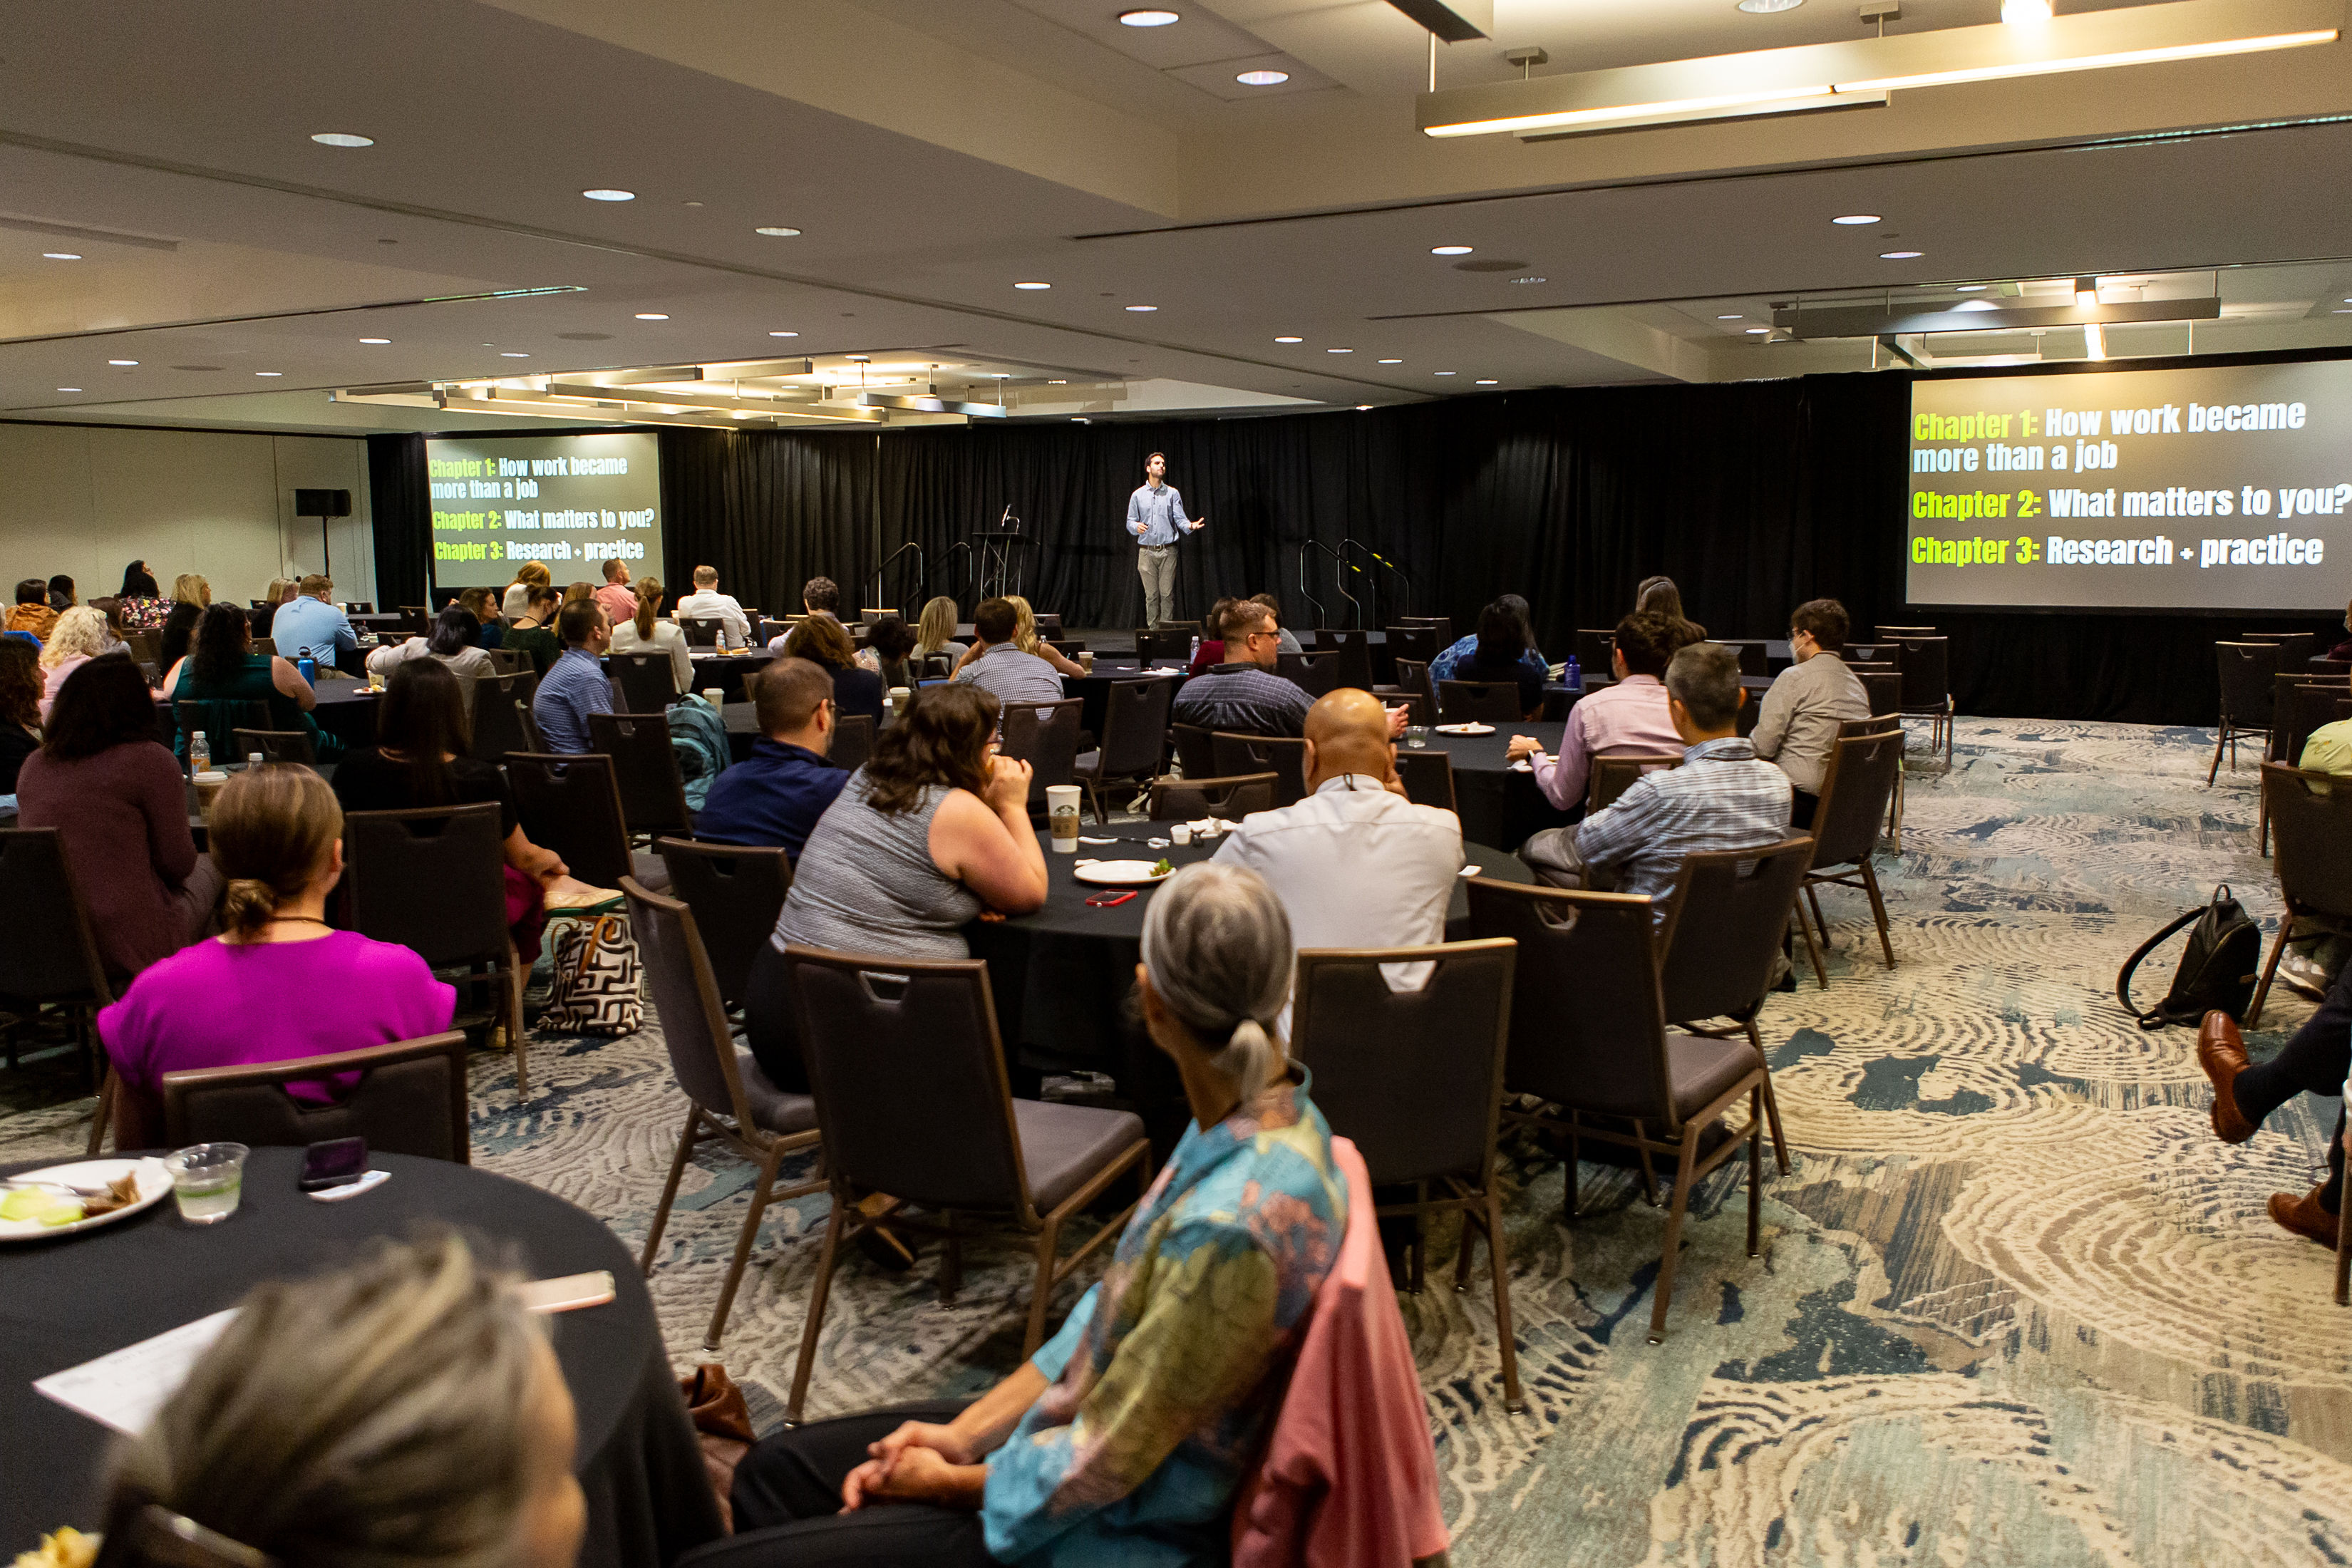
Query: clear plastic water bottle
[1194,654]
[200,753]
[1573,675]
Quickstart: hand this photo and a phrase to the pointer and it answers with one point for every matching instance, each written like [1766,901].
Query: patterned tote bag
[595,980]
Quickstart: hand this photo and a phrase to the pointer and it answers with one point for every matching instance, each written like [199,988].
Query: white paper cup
[1062,814]
[715,695]
[899,698]
[1181,833]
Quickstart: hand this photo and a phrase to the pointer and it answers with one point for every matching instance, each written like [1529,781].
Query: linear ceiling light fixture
[1860,73]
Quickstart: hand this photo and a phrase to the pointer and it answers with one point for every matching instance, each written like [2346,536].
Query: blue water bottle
[1572,676]
[309,668]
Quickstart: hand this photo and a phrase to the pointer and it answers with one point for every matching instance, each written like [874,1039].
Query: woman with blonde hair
[281,589]
[276,839]
[935,633]
[81,635]
[188,588]
[406,1408]
[528,575]
[647,632]
[1025,638]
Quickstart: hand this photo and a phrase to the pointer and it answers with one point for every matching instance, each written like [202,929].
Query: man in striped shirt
[1722,797]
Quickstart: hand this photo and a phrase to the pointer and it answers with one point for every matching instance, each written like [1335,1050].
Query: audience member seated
[308,622]
[2342,651]
[642,630]
[823,641]
[996,664]
[277,838]
[2316,1059]
[528,575]
[139,603]
[1797,727]
[1658,595]
[890,640]
[708,603]
[1026,638]
[932,830]
[620,600]
[32,614]
[820,596]
[79,635]
[1722,797]
[1211,649]
[61,593]
[1355,863]
[21,709]
[434,1426]
[491,627]
[223,668]
[264,618]
[1500,655]
[1125,1437]
[1451,657]
[120,806]
[1290,644]
[533,631]
[776,794]
[576,686]
[1627,719]
[420,760]
[456,642]
[935,633]
[1243,695]
[192,588]
[179,632]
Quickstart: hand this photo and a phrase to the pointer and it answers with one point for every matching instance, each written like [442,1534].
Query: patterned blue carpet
[2015,1305]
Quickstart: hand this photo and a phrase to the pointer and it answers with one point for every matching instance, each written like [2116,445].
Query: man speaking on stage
[1155,515]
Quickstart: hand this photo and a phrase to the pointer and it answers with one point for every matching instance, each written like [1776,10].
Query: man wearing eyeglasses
[1155,515]
[1243,696]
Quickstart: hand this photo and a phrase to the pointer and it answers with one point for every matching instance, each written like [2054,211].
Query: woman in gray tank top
[932,830]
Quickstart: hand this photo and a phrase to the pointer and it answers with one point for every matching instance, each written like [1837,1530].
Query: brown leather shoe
[2304,1216]
[2222,1055]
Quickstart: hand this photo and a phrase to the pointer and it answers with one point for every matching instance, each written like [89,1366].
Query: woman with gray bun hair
[1124,1439]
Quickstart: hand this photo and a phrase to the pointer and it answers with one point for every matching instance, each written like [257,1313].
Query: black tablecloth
[1497,806]
[346,709]
[1094,690]
[76,1298]
[727,670]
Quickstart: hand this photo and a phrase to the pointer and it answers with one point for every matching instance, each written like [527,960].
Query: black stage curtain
[400,513]
[768,510]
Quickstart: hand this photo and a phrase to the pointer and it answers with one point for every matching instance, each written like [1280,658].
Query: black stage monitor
[322,503]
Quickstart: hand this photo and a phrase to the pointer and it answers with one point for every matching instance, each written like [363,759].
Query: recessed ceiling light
[1339,350]
[1363,407]
[777,231]
[1900,255]
[651,316]
[269,372]
[509,353]
[1445,373]
[1769,8]
[376,339]
[1757,332]
[783,334]
[341,138]
[1262,78]
[2024,13]
[1489,381]
[122,361]
[60,255]
[1731,317]
[1303,339]
[1392,361]
[1062,383]
[1449,250]
[1530,277]
[603,195]
[1154,17]
[1858,220]
[1033,285]
[1143,308]
[68,389]
[1973,288]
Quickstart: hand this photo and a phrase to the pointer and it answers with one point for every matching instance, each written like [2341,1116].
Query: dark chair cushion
[1088,765]
[1701,1069]
[1063,1146]
[650,869]
[774,1110]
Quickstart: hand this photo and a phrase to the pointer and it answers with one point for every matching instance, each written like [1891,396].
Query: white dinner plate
[1523,766]
[154,1185]
[1120,873]
[1465,729]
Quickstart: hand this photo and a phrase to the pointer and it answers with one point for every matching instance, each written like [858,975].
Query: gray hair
[373,1415]
[1705,679]
[1216,943]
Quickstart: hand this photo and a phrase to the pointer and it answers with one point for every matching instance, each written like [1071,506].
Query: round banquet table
[728,670]
[1093,691]
[76,1298]
[346,709]
[1499,806]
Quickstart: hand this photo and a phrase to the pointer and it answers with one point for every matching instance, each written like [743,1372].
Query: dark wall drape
[400,513]
[767,511]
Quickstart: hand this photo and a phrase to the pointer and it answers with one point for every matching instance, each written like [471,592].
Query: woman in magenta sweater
[279,983]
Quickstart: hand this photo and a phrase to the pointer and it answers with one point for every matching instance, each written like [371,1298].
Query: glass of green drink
[208,1179]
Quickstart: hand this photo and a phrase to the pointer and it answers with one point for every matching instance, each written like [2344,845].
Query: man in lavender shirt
[1626,719]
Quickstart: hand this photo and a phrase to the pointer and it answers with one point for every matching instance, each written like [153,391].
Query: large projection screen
[2216,489]
[573,501]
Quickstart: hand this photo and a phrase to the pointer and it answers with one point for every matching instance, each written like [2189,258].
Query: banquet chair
[1894,634]
[509,660]
[1134,737]
[645,771]
[1045,736]
[1727,920]
[1594,650]
[932,1122]
[434,880]
[51,957]
[701,631]
[1879,724]
[2312,814]
[1151,644]
[572,805]
[1610,777]
[1196,752]
[1749,654]
[500,713]
[410,1100]
[2295,648]
[646,681]
[1855,792]
[728,1099]
[2249,672]
[146,647]
[1440,628]
[1412,680]
[275,746]
[1589,1037]
[1478,702]
[736,891]
[852,741]
[418,619]
[936,667]
[1428,778]
[1314,673]
[1189,799]
[1281,755]
[218,720]
[1927,689]
[1884,689]
[1355,650]
[2299,704]
[265,645]
[1418,643]
[1415,1078]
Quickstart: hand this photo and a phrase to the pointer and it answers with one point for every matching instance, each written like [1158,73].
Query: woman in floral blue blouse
[1125,1438]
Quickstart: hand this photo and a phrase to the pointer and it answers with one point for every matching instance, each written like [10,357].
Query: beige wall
[88,500]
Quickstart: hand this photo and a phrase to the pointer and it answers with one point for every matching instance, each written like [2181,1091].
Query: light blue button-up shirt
[314,624]
[1160,511]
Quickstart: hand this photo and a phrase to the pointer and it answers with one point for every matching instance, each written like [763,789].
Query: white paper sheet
[125,1388]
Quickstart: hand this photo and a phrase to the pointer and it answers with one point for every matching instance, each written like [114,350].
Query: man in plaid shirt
[1722,797]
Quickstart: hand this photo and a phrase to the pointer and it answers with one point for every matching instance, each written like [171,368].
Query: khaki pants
[1156,565]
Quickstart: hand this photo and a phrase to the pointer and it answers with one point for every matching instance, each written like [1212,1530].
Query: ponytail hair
[272,827]
[1217,946]
[649,597]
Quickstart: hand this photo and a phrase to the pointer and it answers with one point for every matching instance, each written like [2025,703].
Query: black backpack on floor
[2217,971]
